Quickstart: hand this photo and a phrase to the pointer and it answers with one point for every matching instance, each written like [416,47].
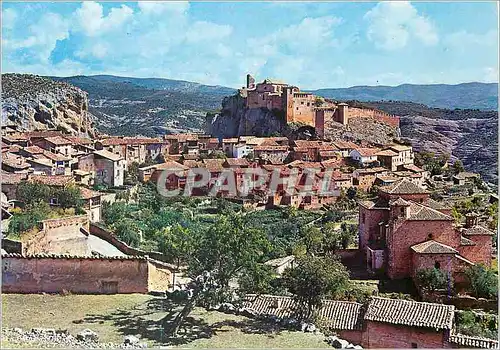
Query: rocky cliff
[236,120]
[35,103]
[474,141]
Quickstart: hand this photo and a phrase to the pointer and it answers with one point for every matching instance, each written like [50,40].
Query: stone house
[394,156]
[91,203]
[13,163]
[274,154]
[132,149]
[364,179]
[108,168]
[404,230]
[345,147]
[464,178]
[228,145]
[364,156]
[56,144]
[50,163]
[152,172]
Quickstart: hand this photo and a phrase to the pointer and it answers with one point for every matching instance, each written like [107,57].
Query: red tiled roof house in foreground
[379,323]
[404,230]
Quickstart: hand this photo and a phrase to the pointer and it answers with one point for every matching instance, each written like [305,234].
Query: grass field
[114,316]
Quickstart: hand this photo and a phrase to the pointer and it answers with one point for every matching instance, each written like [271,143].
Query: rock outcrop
[32,102]
[474,141]
[237,120]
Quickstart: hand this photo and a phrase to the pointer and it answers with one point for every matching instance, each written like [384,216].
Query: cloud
[92,21]
[464,40]
[9,18]
[41,38]
[157,8]
[392,24]
[490,74]
[203,31]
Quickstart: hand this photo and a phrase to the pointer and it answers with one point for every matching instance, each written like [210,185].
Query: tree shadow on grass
[152,320]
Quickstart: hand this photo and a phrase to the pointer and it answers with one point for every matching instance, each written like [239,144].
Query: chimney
[470,220]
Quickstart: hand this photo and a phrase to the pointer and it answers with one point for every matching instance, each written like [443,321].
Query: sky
[308,44]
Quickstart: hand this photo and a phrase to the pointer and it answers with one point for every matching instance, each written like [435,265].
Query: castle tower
[343,113]
[319,122]
[250,82]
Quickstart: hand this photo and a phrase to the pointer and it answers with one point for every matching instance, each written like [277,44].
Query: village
[414,231]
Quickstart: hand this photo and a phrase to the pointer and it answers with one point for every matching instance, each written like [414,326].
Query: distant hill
[482,96]
[148,106]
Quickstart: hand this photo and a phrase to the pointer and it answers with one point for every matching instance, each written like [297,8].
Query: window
[402,211]
[297,108]
[430,236]
[414,345]
[437,265]
[301,102]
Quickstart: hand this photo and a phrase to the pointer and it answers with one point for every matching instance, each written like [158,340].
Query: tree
[68,197]
[228,248]
[113,212]
[29,218]
[313,239]
[332,238]
[483,281]
[128,231]
[312,280]
[433,279]
[318,102]
[458,167]
[32,192]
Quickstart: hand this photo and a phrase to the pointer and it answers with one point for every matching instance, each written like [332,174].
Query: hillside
[153,106]
[32,102]
[468,135]
[482,96]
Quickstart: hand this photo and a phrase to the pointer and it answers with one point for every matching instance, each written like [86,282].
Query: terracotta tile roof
[109,155]
[191,163]
[167,165]
[380,203]
[79,140]
[404,186]
[181,137]
[56,157]
[109,141]
[466,241]
[270,148]
[57,180]
[343,315]
[473,342]
[419,212]
[213,164]
[433,247]
[237,162]
[58,140]
[268,142]
[387,153]
[477,230]
[431,203]
[413,167]
[410,313]
[399,202]
[307,144]
[33,149]
[87,193]
[367,152]
[14,161]
[41,161]
[11,178]
[328,153]
[230,140]
[345,145]
[399,148]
